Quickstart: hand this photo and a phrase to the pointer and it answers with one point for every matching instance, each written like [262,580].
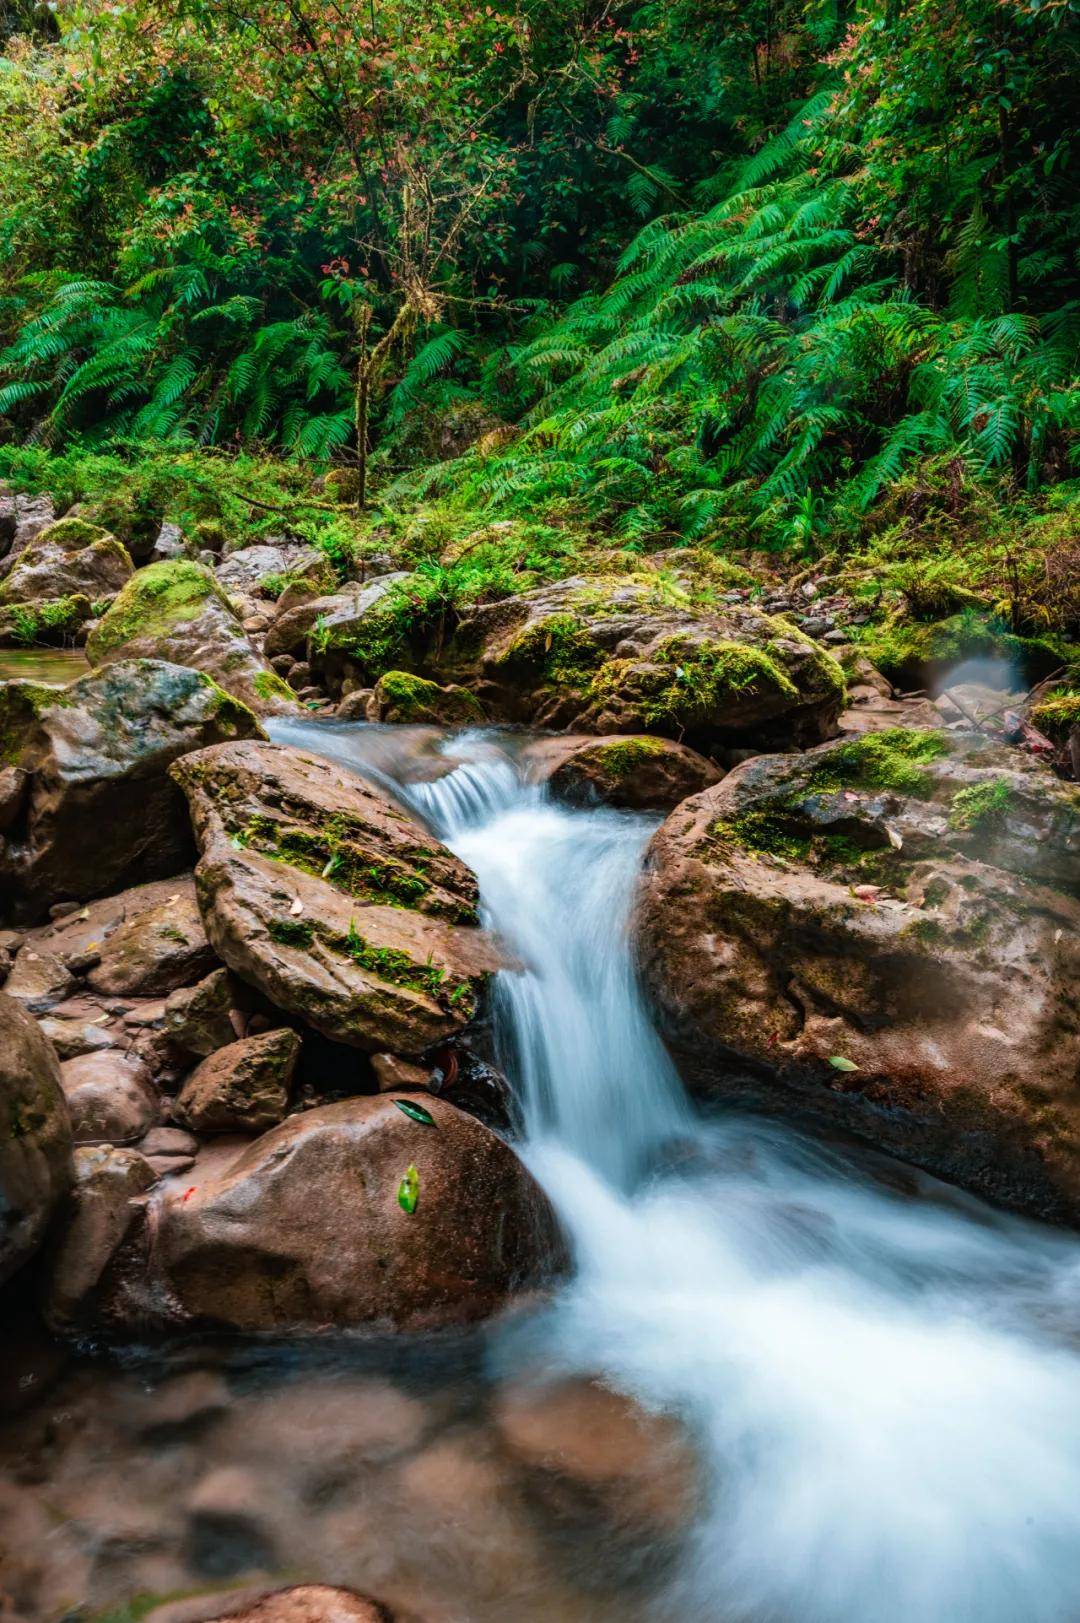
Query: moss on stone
[73,534]
[894,759]
[393,966]
[981,807]
[905,651]
[1057,716]
[558,647]
[268,685]
[621,759]
[291,933]
[708,674]
[152,602]
[21,705]
[45,621]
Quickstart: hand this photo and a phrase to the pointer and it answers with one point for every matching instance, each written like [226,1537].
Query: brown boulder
[157,949]
[110,1096]
[871,936]
[198,1018]
[305,1603]
[305,1226]
[332,901]
[639,774]
[398,697]
[102,1210]
[176,611]
[243,1087]
[254,570]
[97,809]
[288,631]
[35,1136]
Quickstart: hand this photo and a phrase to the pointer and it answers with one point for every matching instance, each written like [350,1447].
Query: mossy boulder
[177,611]
[644,653]
[70,558]
[914,654]
[46,621]
[1057,715]
[35,1136]
[883,936]
[402,697]
[641,773]
[331,901]
[89,805]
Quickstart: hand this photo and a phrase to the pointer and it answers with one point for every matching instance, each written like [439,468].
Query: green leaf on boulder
[409,1190]
[417,1112]
[840,1063]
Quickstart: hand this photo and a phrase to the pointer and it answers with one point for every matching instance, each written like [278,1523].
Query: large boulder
[67,559]
[177,611]
[35,1136]
[883,936]
[86,804]
[650,652]
[288,631]
[333,902]
[305,1227]
[399,697]
[637,773]
[22,519]
[102,1208]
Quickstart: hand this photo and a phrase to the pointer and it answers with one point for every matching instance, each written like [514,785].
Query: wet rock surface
[35,1136]
[333,902]
[882,935]
[243,1086]
[93,808]
[65,559]
[306,1227]
[638,773]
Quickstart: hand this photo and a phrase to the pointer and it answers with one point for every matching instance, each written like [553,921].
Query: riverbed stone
[334,903]
[305,1226]
[243,1087]
[399,697]
[641,773]
[97,810]
[158,947]
[198,1019]
[35,1136]
[883,936]
[110,1096]
[176,611]
[101,1210]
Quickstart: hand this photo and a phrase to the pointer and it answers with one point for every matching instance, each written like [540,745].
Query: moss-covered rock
[331,901]
[915,655]
[646,653]
[642,773]
[1057,715]
[883,935]
[48,621]
[70,558]
[177,611]
[402,697]
[96,809]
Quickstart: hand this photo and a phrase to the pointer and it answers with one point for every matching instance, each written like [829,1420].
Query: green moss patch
[291,933]
[49,621]
[982,807]
[1057,716]
[152,602]
[707,676]
[622,759]
[894,759]
[268,685]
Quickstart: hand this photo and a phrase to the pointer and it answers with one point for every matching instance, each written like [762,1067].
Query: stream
[859,1386]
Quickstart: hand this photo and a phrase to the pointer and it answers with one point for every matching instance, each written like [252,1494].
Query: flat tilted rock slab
[332,901]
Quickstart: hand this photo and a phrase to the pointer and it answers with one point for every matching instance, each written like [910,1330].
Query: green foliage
[981,807]
[895,759]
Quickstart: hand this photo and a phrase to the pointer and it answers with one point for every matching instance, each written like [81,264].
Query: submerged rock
[305,1227]
[639,773]
[91,807]
[332,901]
[882,936]
[35,1136]
[177,611]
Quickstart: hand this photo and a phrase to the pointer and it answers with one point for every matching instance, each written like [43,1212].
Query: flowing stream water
[875,1378]
[884,1382]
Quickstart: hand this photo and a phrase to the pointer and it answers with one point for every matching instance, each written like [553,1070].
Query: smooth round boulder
[35,1136]
[641,773]
[321,1222]
[110,1096]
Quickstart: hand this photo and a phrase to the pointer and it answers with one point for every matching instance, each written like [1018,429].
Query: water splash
[881,1373]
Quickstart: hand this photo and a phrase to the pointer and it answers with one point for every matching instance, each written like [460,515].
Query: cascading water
[881,1375]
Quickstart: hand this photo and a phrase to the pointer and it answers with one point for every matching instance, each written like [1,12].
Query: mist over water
[881,1374]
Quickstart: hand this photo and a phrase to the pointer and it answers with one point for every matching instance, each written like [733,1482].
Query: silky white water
[881,1375]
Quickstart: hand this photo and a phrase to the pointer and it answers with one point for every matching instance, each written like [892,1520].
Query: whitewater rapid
[881,1375]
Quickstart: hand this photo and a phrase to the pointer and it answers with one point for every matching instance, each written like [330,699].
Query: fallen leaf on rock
[840,1062]
[417,1112]
[866,893]
[296,908]
[409,1190]
[895,838]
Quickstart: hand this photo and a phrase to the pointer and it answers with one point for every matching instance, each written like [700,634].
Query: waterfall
[881,1375]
